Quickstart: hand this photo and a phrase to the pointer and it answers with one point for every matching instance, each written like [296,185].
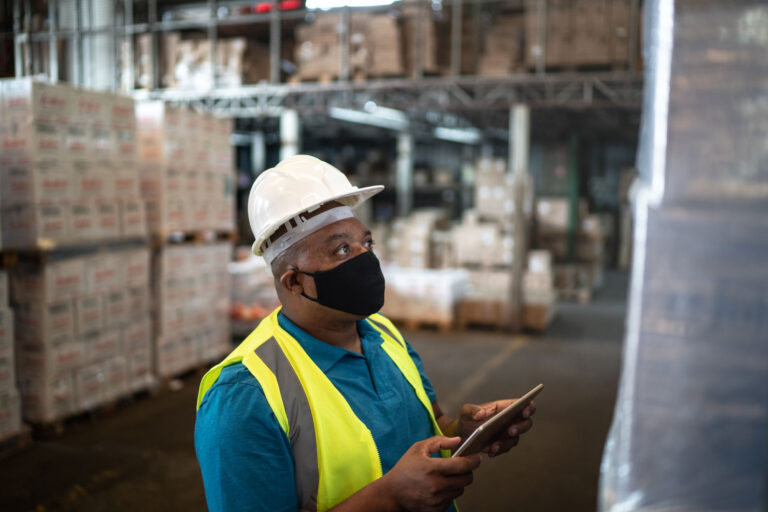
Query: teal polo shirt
[246,458]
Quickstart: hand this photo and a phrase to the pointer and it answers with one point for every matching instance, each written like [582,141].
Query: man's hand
[424,483]
[472,416]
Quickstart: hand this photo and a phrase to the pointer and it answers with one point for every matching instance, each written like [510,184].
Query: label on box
[35,181]
[106,345]
[89,314]
[84,222]
[116,308]
[108,220]
[90,386]
[133,222]
[56,281]
[41,324]
[102,274]
[135,265]
[137,335]
[138,301]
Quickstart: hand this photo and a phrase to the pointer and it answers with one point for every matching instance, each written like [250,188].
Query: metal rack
[616,89]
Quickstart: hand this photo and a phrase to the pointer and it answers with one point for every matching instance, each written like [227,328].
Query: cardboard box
[116,310]
[552,214]
[46,397]
[5,289]
[135,265]
[103,274]
[140,369]
[116,377]
[84,222]
[138,334]
[108,220]
[44,324]
[133,221]
[89,314]
[40,180]
[7,373]
[49,361]
[36,226]
[90,386]
[10,414]
[106,345]
[138,302]
[6,331]
[55,281]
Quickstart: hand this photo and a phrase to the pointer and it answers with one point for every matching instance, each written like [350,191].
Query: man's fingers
[476,412]
[520,427]
[437,443]
[529,410]
[457,465]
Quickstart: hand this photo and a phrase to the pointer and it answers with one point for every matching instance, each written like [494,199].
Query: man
[325,406]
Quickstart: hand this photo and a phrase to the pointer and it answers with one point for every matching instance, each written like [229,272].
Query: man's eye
[369,244]
[344,249]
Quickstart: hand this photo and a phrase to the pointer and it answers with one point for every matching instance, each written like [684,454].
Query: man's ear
[290,281]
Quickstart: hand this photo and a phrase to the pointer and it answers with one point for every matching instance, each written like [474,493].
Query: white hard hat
[296,185]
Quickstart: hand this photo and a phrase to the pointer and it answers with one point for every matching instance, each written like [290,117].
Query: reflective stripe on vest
[334,452]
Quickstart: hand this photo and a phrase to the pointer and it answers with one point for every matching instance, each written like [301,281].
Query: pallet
[479,312]
[54,429]
[582,295]
[202,236]
[16,443]
[538,317]
[414,324]
[323,78]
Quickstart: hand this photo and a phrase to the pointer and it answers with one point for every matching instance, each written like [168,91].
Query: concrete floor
[141,456]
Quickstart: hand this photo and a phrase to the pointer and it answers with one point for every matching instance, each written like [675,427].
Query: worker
[325,406]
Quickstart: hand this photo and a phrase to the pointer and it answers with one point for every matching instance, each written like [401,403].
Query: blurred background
[575,194]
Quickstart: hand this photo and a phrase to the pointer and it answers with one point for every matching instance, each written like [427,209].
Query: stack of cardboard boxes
[83,333]
[192,297]
[419,296]
[418,22]
[187,169]
[579,33]
[503,49]
[484,242]
[186,63]
[374,46]
[538,290]
[410,242]
[69,166]
[10,405]
[576,278]
[693,390]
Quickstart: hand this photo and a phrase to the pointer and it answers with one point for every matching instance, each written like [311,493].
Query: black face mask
[356,286]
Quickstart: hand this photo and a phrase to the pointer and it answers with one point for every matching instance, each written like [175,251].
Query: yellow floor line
[465,391]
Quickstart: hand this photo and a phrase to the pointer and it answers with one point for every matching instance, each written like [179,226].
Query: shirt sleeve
[424,379]
[245,457]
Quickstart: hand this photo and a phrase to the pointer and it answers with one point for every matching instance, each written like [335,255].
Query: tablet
[492,428]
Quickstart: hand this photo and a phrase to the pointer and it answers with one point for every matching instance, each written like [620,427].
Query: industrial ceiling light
[382,117]
[332,4]
[462,135]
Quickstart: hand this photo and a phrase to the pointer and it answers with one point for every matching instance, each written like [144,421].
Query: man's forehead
[347,228]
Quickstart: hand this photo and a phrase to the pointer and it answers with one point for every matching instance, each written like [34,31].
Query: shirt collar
[325,355]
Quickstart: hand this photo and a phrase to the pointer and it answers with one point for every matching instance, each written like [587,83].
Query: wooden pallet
[538,317]
[202,236]
[16,443]
[54,429]
[414,324]
[488,313]
[582,294]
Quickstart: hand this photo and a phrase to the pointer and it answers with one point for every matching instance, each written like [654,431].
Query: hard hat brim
[351,199]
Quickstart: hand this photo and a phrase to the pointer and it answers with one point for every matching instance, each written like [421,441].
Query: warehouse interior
[574,194]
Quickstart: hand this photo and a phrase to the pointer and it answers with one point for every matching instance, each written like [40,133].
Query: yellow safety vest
[334,452]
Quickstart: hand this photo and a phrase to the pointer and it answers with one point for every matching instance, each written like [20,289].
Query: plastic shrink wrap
[690,431]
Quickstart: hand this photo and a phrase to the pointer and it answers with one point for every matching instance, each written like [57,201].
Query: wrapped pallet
[69,161]
[187,169]
[83,333]
[689,430]
[192,297]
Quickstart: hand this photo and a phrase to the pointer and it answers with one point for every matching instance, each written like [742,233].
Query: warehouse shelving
[615,89]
